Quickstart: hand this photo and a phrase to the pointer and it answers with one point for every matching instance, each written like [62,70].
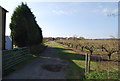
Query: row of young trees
[108,46]
[24,29]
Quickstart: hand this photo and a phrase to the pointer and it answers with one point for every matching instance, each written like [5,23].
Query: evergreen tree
[24,29]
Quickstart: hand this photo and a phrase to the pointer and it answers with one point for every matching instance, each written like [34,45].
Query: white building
[8,42]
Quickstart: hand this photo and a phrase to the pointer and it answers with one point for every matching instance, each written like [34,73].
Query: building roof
[3,9]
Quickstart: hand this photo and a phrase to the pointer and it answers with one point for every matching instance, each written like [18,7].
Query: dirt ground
[47,66]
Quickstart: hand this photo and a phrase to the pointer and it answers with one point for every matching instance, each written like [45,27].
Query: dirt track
[47,66]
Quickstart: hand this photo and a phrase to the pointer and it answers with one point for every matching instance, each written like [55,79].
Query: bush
[37,49]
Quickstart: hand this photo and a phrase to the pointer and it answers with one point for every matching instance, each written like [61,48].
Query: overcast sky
[65,19]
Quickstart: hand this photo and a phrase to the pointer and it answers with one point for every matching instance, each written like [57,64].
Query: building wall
[3,28]
[0,28]
[0,43]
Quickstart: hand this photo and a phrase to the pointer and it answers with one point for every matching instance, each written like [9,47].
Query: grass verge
[76,72]
[77,66]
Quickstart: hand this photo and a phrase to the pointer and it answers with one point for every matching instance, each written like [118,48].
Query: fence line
[11,58]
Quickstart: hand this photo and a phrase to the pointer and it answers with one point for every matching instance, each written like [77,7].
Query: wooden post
[108,70]
[87,63]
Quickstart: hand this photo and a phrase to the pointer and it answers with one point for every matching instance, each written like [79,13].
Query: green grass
[77,64]
[75,72]
[81,63]
[102,75]
[47,43]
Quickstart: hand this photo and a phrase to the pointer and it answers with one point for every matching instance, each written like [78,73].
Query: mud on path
[47,66]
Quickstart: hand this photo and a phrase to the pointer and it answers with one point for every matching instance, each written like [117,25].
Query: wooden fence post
[87,63]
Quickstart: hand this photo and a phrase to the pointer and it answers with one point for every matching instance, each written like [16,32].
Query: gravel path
[47,66]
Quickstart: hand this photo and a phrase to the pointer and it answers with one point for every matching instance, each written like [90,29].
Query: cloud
[106,11]
[110,12]
[100,6]
[59,12]
[64,12]
[115,10]
[96,11]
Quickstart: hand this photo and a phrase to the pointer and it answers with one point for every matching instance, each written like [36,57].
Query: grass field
[98,70]
[69,55]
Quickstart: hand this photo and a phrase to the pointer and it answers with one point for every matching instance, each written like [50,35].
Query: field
[103,53]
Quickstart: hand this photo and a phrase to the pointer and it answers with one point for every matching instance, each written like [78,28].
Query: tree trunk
[102,49]
[91,52]
[82,48]
[109,55]
[76,46]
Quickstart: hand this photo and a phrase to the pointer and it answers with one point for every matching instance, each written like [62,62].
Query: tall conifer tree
[24,29]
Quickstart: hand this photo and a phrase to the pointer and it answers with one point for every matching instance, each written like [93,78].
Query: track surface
[47,66]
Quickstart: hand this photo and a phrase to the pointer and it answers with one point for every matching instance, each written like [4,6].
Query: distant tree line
[24,29]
